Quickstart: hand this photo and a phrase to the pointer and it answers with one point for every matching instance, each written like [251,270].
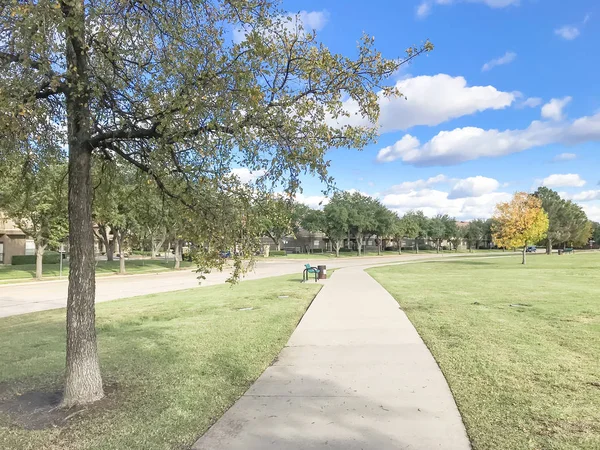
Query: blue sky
[508,100]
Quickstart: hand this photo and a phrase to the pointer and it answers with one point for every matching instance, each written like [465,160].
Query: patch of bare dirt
[38,410]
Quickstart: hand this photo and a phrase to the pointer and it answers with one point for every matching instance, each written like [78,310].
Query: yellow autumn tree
[520,222]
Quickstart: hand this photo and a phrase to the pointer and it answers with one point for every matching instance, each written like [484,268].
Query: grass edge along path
[518,345]
[26,272]
[173,363]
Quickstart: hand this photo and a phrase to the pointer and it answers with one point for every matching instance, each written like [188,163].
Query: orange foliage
[520,222]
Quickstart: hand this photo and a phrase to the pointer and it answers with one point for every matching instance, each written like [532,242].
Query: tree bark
[549,247]
[83,382]
[39,260]
[524,254]
[177,254]
[119,236]
[109,245]
[417,245]
[399,246]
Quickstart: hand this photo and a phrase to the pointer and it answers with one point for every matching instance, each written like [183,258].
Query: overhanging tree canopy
[159,84]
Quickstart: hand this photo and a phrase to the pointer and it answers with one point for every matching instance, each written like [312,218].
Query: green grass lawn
[27,271]
[172,363]
[519,345]
[329,255]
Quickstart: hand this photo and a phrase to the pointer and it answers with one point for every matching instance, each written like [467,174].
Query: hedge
[48,258]
[277,253]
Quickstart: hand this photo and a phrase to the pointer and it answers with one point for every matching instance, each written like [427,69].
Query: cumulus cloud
[554,108]
[567,32]
[245,175]
[429,100]
[307,21]
[592,211]
[506,59]
[586,196]
[564,157]
[433,202]
[563,180]
[314,201]
[470,143]
[473,187]
[408,186]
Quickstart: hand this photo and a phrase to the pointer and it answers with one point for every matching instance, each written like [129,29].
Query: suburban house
[13,241]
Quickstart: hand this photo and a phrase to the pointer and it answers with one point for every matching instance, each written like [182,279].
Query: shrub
[346,250]
[48,258]
[277,253]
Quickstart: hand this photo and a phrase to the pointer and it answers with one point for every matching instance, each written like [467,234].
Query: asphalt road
[24,298]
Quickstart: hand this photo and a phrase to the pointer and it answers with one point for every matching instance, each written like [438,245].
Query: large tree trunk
[177,253]
[549,247]
[399,246]
[417,245]
[39,260]
[157,244]
[83,383]
[525,254]
[109,245]
[119,236]
[337,249]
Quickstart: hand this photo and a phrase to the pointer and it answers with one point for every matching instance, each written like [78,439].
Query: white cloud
[305,20]
[531,102]
[245,175]
[424,9]
[586,19]
[470,143]
[592,211]
[586,196]
[314,201]
[429,100]
[433,202]
[567,32]
[564,157]
[506,59]
[563,180]
[554,108]
[408,186]
[473,187]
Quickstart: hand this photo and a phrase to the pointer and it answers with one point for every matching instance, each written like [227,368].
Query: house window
[29,247]
[316,243]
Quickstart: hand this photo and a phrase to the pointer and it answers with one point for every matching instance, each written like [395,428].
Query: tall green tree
[336,225]
[436,230]
[475,233]
[312,220]
[160,85]
[34,195]
[399,231]
[362,211]
[413,223]
[385,222]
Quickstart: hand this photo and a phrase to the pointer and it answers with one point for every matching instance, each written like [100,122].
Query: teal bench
[308,270]
[569,250]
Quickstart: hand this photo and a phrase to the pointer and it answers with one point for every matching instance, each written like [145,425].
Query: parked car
[225,254]
[531,249]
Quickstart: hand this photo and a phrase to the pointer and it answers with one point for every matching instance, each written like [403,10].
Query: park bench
[307,270]
[565,250]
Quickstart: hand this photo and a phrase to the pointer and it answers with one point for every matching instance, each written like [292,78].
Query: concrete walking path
[355,374]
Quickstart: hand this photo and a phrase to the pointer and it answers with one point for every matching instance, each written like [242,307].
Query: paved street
[23,298]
